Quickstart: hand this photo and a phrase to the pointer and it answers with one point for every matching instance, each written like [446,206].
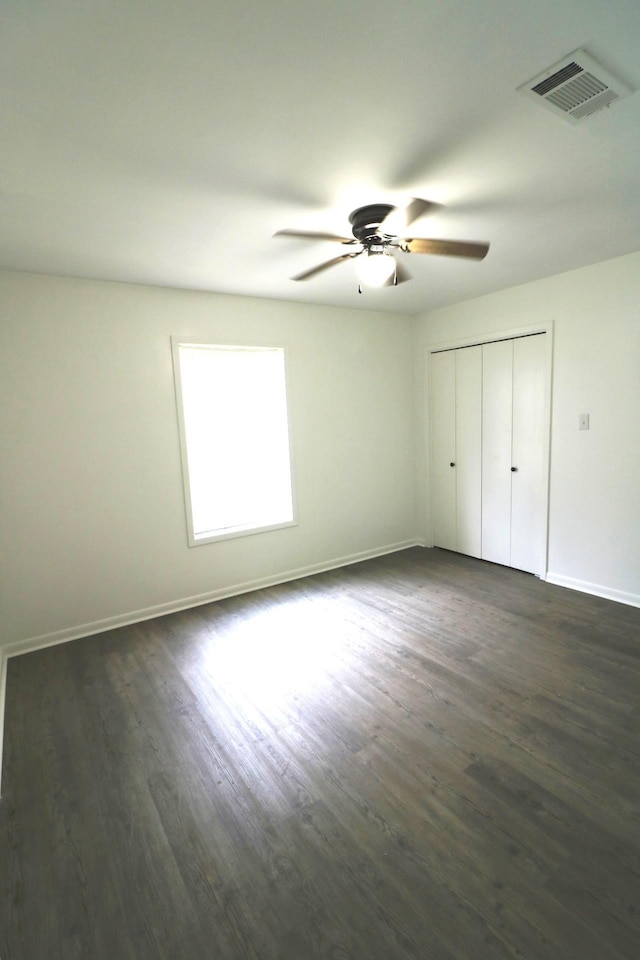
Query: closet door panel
[443,449]
[468,461]
[497,363]
[528,494]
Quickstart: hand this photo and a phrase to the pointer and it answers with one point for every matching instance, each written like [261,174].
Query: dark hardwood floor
[419,756]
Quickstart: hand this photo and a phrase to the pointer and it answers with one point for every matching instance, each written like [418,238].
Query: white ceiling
[165,143]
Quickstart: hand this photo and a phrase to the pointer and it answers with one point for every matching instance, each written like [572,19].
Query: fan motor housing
[366,220]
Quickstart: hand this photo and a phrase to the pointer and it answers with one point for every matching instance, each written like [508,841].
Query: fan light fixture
[375,244]
[376,268]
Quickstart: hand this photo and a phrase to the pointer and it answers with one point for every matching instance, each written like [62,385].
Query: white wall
[92,525]
[594,520]
[92,520]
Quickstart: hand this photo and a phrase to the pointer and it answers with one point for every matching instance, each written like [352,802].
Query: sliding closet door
[443,449]
[496,450]
[528,490]
[469,450]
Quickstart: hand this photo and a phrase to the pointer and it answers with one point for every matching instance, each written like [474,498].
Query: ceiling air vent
[575,87]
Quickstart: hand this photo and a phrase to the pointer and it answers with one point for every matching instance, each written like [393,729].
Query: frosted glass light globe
[375,269]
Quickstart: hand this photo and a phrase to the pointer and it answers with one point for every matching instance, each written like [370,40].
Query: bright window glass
[235,439]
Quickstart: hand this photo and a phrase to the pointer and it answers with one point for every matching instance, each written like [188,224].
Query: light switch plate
[583,423]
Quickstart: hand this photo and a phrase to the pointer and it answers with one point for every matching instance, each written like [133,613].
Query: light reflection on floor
[287,650]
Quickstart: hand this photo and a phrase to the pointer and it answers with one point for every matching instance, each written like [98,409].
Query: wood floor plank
[418,757]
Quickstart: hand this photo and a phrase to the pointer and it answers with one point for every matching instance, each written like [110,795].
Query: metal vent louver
[575,87]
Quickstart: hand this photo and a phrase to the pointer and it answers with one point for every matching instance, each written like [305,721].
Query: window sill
[232,533]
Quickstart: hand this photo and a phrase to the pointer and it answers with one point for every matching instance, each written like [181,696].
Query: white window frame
[196,540]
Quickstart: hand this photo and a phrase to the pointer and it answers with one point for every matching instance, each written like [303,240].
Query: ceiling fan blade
[401,275]
[307,274]
[446,248]
[399,218]
[306,235]
[417,208]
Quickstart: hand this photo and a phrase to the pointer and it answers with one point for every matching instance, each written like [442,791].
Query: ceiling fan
[374,228]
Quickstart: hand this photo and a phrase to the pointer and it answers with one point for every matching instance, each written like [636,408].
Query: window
[234,435]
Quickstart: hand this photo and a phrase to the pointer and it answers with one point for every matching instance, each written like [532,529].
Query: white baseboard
[31,644]
[595,589]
